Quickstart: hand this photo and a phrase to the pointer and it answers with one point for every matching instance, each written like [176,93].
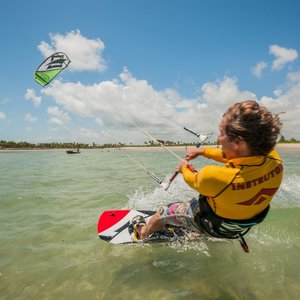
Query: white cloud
[278,92]
[257,70]
[85,54]
[113,104]
[29,118]
[283,56]
[224,92]
[58,116]
[2,116]
[87,134]
[287,101]
[293,77]
[30,95]
[109,101]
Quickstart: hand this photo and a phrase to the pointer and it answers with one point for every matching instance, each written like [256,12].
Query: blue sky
[136,60]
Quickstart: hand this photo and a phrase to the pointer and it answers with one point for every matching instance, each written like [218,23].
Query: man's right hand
[192,153]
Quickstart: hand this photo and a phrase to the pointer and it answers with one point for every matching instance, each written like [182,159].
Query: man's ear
[238,142]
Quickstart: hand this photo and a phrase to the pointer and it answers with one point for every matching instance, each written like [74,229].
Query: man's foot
[137,223]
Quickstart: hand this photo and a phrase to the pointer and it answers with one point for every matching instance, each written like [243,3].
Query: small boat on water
[73,151]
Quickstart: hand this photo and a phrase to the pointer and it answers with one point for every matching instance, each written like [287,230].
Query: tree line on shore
[54,145]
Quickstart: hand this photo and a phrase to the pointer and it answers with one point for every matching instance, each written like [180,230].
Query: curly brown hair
[253,123]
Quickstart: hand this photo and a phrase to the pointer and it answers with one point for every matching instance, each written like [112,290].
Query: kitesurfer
[236,195]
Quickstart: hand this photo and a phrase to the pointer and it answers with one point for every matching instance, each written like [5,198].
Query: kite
[51,67]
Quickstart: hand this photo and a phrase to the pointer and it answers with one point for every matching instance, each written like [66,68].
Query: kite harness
[219,227]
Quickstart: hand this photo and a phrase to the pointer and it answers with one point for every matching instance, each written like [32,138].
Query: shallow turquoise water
[49,248]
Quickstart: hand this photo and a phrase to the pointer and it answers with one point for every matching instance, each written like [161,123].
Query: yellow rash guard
[241,188]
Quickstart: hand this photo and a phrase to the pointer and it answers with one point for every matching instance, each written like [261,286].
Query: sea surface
[49,247]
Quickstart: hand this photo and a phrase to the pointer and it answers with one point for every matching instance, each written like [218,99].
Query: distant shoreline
[291,147]
[294,147]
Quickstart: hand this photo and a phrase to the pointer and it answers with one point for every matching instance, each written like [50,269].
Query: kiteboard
[114,226]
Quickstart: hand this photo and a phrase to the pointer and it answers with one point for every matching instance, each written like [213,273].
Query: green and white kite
[51,67]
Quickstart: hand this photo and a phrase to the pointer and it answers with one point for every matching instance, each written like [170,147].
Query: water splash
[154,198]
[289,193]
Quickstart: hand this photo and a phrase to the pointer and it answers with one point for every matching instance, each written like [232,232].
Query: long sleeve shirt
[242,187]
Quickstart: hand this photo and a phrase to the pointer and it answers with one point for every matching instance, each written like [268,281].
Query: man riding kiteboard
[236,195]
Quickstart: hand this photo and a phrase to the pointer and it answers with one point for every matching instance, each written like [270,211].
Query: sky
[160,65]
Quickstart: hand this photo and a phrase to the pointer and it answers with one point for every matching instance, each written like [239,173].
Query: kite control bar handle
[191,167]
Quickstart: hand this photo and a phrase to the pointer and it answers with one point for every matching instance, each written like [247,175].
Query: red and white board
[114,227]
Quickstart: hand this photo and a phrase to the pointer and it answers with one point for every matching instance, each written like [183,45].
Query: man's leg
[176,214]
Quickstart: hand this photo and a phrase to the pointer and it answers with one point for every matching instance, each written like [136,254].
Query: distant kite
[51,67]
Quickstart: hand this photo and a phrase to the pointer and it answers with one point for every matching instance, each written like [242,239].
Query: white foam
[153,199]
[289,192]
